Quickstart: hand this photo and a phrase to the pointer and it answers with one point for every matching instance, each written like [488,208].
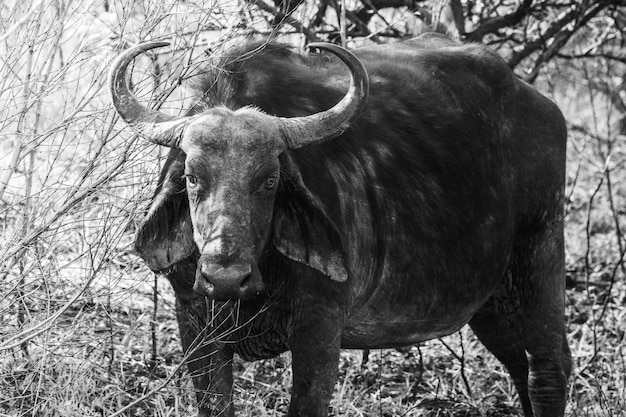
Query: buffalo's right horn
[153,125]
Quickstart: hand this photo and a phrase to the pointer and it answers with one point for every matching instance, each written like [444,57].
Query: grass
[101,360]
[81,333]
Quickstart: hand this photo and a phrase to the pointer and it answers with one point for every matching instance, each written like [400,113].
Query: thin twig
[461,359]
[342,23]
[297,25]
[20,22]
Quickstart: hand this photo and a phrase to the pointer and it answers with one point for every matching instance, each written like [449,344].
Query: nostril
[245,281]
[202,285]
[253,283]
[231,275]
[239,279]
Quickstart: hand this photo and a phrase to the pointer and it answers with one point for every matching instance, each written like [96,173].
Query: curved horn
[153,125]
[300,131]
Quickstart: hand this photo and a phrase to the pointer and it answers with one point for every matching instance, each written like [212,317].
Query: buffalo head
[232,169]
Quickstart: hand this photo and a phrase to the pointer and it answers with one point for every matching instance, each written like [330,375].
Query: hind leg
[539,266]
[498,326]
[522,323]
[525,317]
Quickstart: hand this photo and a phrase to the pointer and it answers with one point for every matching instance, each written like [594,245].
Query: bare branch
[310,35]
[371,7]
[558,35]
[495,24]
[603,55]
[613,94]
[23,20]
[456,9]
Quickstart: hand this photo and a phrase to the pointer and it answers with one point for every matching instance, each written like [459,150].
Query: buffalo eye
[270,183]
[192,180]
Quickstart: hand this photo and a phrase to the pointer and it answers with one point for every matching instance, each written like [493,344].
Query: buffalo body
[440,205]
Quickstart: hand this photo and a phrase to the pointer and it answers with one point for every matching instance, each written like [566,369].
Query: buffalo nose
[222,282]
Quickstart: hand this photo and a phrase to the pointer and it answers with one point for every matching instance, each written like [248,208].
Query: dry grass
[78,311]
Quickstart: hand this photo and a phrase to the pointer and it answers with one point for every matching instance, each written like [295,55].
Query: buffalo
[372,199]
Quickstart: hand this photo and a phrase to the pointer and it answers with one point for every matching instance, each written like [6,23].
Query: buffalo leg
[315,351]
[498,326]
[539,267]
[209,364]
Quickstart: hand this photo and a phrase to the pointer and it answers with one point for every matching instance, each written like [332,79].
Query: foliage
[87,330]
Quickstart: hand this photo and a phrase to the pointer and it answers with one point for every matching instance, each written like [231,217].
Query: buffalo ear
[165,237]
[303,233]
[301,240]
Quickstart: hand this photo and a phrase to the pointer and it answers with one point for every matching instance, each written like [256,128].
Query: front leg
[209,362]
[315,347]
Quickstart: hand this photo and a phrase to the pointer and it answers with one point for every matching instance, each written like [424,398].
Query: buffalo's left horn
[300,131]
[153,125]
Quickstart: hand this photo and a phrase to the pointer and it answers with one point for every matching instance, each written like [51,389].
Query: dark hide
[441,205]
